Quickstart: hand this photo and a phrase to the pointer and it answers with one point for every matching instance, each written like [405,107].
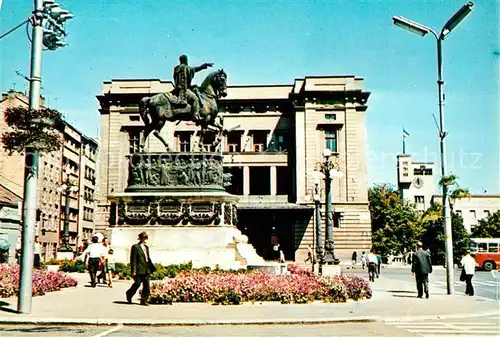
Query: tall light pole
[47,21]
[67,188]
[422,30]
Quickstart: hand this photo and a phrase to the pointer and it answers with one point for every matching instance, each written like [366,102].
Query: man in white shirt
[95,253]
[469,265]
[372,264]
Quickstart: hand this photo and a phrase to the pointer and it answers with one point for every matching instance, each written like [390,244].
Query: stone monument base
[203,246]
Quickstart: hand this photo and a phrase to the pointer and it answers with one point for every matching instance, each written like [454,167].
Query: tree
[434,239]
[36,129]
[395,225]
[488,227]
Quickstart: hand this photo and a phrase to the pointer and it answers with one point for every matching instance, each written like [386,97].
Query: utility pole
[47,22]
[31,169]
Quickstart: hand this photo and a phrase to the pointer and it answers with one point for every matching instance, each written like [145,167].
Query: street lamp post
[317,215]
[422,30]
[328,170]
[48,30]
[67,189]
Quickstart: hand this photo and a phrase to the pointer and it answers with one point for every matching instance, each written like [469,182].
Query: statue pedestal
[180,201]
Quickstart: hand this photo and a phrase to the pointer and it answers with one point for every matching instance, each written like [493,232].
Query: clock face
[418,182]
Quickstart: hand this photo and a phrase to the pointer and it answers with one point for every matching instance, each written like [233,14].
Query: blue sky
[273,42]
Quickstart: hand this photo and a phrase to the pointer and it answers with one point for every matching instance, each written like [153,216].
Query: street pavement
[484,283]
[394,310]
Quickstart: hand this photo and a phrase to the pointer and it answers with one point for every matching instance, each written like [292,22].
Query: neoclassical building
[278,134]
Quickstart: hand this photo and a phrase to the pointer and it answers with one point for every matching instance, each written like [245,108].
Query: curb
[277,321]
[109,322]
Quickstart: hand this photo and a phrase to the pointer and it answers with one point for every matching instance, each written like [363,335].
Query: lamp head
[456,19]
[410,25]
[327,153]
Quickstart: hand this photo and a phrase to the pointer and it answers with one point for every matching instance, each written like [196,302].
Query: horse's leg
[145,133]
[201,140]
[157,134]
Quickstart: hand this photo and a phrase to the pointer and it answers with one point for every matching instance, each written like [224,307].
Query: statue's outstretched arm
[203,66]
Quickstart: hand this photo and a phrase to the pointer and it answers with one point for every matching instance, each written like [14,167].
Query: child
[110,267]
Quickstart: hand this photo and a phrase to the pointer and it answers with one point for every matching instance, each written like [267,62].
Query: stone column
[273,180]
[246,180]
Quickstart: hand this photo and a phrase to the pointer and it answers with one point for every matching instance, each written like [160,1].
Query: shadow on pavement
[39,329]
[3,307]
[402,291]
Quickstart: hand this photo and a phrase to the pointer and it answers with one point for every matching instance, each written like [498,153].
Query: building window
[282,180]
[487,213]
[236,186]
[259,141]
[184,141]
[331,140]
[234,141]
[473,214]
[260,180]
[282,141]
[419,199]
[458,212]
[331,117]
[134,138]
[208,142]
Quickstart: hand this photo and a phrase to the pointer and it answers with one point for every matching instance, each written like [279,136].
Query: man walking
[141,268]
[469,265]
[95,253]
[421,267]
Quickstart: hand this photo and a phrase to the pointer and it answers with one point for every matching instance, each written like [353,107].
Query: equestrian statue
[186,102]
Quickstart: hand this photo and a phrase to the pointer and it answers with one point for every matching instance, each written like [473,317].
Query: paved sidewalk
[392,301]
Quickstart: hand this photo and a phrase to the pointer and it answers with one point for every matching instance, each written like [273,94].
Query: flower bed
[43,281]
[69,266]
[236,288]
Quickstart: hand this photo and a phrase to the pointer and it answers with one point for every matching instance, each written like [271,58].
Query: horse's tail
[144,110]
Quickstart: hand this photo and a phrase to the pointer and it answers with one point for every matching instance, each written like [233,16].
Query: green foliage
[395,225]
[72,266]
[122,270]
[448,180]
[489,227]
[36,129]
[434,238]
[170,271]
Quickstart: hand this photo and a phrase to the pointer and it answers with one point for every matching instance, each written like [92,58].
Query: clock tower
[416,182]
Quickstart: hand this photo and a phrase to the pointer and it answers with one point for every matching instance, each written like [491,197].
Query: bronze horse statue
[156,110]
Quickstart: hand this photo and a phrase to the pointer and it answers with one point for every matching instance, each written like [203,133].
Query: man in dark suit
[421,267]
[141,267]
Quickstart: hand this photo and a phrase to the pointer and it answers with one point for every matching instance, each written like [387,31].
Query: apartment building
[278,136]
[76,161]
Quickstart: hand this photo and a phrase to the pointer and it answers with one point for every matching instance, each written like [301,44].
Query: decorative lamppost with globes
[67,188]
[329,170]
[422,30]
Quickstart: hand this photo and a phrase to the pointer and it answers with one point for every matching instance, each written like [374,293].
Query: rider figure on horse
[187,93]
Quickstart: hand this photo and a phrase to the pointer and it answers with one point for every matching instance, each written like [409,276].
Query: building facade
[76,161]
[416,183]
[278,134]
[10,221]
[473,208]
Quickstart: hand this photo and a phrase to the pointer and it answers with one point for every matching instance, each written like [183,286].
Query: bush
[72,266]
[43,281]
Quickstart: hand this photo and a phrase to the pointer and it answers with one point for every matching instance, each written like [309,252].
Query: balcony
[255,158]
